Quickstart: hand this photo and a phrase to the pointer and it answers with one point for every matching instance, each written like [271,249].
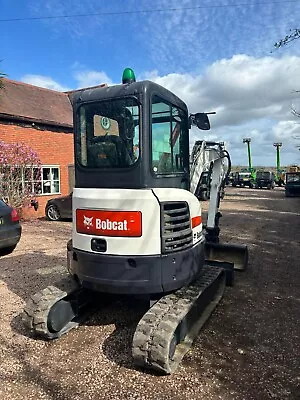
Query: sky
[216,55]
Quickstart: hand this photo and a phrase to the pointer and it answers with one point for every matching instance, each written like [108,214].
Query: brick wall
[53,148]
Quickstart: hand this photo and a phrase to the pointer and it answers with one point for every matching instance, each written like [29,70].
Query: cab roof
[141,88]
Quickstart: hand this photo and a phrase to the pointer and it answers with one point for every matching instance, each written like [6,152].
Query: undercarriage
[163,335]
[166,331]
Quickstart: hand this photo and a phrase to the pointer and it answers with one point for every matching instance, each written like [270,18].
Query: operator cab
[131,136]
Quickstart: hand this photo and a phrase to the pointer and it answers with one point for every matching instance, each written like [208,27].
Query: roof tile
[28,102]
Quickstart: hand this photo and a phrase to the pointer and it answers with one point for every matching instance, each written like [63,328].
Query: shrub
[20,174]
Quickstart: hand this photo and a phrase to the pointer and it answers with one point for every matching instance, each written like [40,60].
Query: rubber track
[36,311]
[155,331]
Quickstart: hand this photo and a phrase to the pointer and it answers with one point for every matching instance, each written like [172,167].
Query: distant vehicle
[293,168]
[292,184]
[243,179]
[265,179]
[10,228]
[230,178]
[280,178]
[59,208]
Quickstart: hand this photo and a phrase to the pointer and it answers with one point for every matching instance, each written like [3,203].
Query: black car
[292,185]
[10,228]
[243,179]
[59,208]
[265,179]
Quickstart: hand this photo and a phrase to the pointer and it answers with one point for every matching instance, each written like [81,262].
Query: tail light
[14,215]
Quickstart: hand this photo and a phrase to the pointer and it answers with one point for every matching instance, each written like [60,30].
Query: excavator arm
[212,161]
[210,168]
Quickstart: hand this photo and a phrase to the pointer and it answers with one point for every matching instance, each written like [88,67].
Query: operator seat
[108,151]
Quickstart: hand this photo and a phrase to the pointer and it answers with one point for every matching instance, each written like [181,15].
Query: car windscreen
[293,178]
[263,175]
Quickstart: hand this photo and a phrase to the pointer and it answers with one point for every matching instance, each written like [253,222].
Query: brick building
[42,119]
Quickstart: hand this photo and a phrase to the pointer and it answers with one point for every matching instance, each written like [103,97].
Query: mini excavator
[137,224]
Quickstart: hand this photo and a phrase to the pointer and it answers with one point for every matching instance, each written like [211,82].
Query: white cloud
[83,77]
[252,98]
[44,81]
[249,87]
[188,39]
[86,78]
[286,130]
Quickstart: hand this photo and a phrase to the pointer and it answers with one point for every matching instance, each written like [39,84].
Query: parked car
[292,185]
[230,178]
[243,179]
[59,208]
[10,228]
[265,179]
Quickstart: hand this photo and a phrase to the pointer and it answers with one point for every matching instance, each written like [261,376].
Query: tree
[20,174]
[295,34]
[2,75]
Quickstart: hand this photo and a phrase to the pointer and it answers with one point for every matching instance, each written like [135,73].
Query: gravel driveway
[249,349]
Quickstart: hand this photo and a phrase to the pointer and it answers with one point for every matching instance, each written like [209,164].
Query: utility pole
[277,145]
[278,174]
[248,141]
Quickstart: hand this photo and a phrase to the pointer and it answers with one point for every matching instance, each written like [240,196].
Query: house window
[43,180]
[50,180]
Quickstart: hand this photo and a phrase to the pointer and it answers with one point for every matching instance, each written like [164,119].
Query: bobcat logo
[88,222]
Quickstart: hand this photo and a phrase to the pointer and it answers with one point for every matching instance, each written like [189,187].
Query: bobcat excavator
[137,227]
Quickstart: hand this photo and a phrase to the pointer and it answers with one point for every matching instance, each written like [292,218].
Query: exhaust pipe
[229,253]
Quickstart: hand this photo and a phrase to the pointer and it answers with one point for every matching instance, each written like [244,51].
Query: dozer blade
[229,253]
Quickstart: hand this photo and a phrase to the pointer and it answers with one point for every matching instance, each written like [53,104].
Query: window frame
[174,173]
[43,180]
[77,141]
[295,177]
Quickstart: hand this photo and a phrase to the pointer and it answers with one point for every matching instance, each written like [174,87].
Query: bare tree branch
[295,112]
[2,75]
[295,34]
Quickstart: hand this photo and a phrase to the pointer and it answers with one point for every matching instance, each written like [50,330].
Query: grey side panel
[137,274]
[182,267]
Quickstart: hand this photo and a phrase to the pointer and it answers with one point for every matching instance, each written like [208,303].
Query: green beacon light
[128,76]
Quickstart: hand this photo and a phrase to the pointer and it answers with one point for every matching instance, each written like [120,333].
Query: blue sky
[214,57]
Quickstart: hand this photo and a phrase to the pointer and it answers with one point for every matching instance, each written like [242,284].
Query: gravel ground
[249,349]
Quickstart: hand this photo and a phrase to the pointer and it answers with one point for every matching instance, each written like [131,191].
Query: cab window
[169,129]
[109,134]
